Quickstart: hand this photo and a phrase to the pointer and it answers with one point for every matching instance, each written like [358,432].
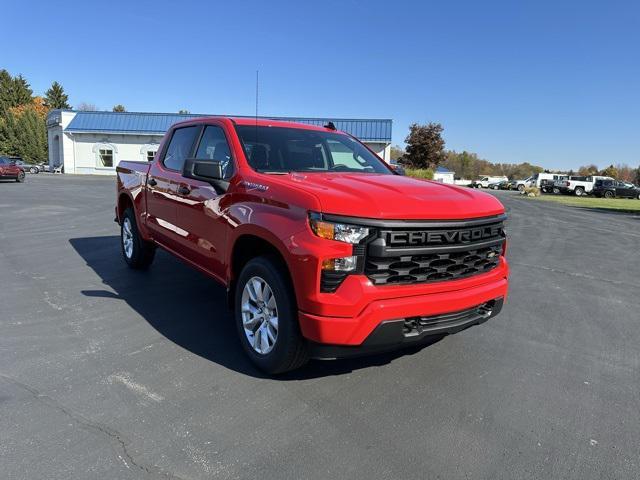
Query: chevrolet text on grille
[443,236]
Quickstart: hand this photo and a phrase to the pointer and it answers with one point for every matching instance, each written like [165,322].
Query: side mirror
[202,169]
[399,169]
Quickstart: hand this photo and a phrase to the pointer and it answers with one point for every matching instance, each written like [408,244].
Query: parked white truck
[580,185]
[483,182]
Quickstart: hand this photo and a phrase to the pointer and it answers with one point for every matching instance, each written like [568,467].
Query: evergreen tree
[56,98]
[119,108]
[31,136]
[14,91]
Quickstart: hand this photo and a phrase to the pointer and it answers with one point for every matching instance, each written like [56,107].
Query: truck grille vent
[424,255]
[431,268]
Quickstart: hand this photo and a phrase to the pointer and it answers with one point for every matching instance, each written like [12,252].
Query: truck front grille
[434,251]
[433,267]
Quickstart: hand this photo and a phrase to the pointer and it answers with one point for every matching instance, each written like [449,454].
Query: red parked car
[9,169]
[324,249]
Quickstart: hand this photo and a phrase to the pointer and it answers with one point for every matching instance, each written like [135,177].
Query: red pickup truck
[325,251]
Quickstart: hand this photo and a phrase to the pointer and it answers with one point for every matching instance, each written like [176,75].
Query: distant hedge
[424,173]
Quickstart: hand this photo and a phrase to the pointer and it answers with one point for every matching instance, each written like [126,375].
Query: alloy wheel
[127,238]
[259,315]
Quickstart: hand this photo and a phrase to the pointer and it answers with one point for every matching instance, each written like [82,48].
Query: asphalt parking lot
[110,373]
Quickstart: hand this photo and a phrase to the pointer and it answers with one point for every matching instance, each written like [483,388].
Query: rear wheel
[267,317]
[20,177]
[33,170]
[579,191]
[608,194]
[137,252]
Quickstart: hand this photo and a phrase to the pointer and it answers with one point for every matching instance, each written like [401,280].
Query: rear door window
[180,147]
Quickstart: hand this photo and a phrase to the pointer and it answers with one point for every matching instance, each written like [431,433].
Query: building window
[106,154]
[105,157]
[148,151]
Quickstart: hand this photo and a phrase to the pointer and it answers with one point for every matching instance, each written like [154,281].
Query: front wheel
[521,188]
[137,252]
[267,317]
[579,191]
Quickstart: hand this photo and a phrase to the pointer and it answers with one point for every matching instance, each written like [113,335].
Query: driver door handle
[183,190]
[152,182]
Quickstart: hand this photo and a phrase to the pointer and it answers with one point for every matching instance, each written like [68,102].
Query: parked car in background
[27,167]
[547,186]
[580,185]
[501,185]
[484,182]
[9,170]
[520,185]
[536,180]
[615,189]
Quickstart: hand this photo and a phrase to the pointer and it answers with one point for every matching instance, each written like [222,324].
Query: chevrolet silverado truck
[325,251]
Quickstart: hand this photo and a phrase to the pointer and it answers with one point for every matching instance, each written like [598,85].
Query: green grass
[618,204]
[424,173]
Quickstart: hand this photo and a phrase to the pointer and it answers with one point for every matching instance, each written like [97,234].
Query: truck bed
[132,180]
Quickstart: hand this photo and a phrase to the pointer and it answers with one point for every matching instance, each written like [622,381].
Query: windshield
[283,150]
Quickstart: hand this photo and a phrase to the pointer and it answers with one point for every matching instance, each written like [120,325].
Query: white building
[95,142]
[444,175]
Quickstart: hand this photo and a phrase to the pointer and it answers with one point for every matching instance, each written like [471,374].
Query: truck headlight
[343,264]
[341,232]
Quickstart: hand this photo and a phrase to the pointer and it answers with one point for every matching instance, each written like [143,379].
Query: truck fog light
[343,264]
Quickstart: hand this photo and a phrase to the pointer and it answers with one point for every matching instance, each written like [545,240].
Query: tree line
[23,116]
[426,151]
[23,130]
[620,171]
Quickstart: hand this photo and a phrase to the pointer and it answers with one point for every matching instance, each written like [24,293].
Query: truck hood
[394,197]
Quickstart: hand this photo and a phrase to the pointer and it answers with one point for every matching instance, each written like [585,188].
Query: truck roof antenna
[330,126]
[257,80]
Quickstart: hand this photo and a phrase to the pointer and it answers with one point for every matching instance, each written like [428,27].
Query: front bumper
[358,329]
[404,332]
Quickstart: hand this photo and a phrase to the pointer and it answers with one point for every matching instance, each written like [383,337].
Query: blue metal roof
[371,130]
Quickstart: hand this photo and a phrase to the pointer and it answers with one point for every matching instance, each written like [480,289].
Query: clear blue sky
[555,83]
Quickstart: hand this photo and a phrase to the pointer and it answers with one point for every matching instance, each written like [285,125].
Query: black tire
[608,194]
[142,252]
[521,188]
[34,170]
[556,190]
[20,177]
[579,191]
[289,350]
